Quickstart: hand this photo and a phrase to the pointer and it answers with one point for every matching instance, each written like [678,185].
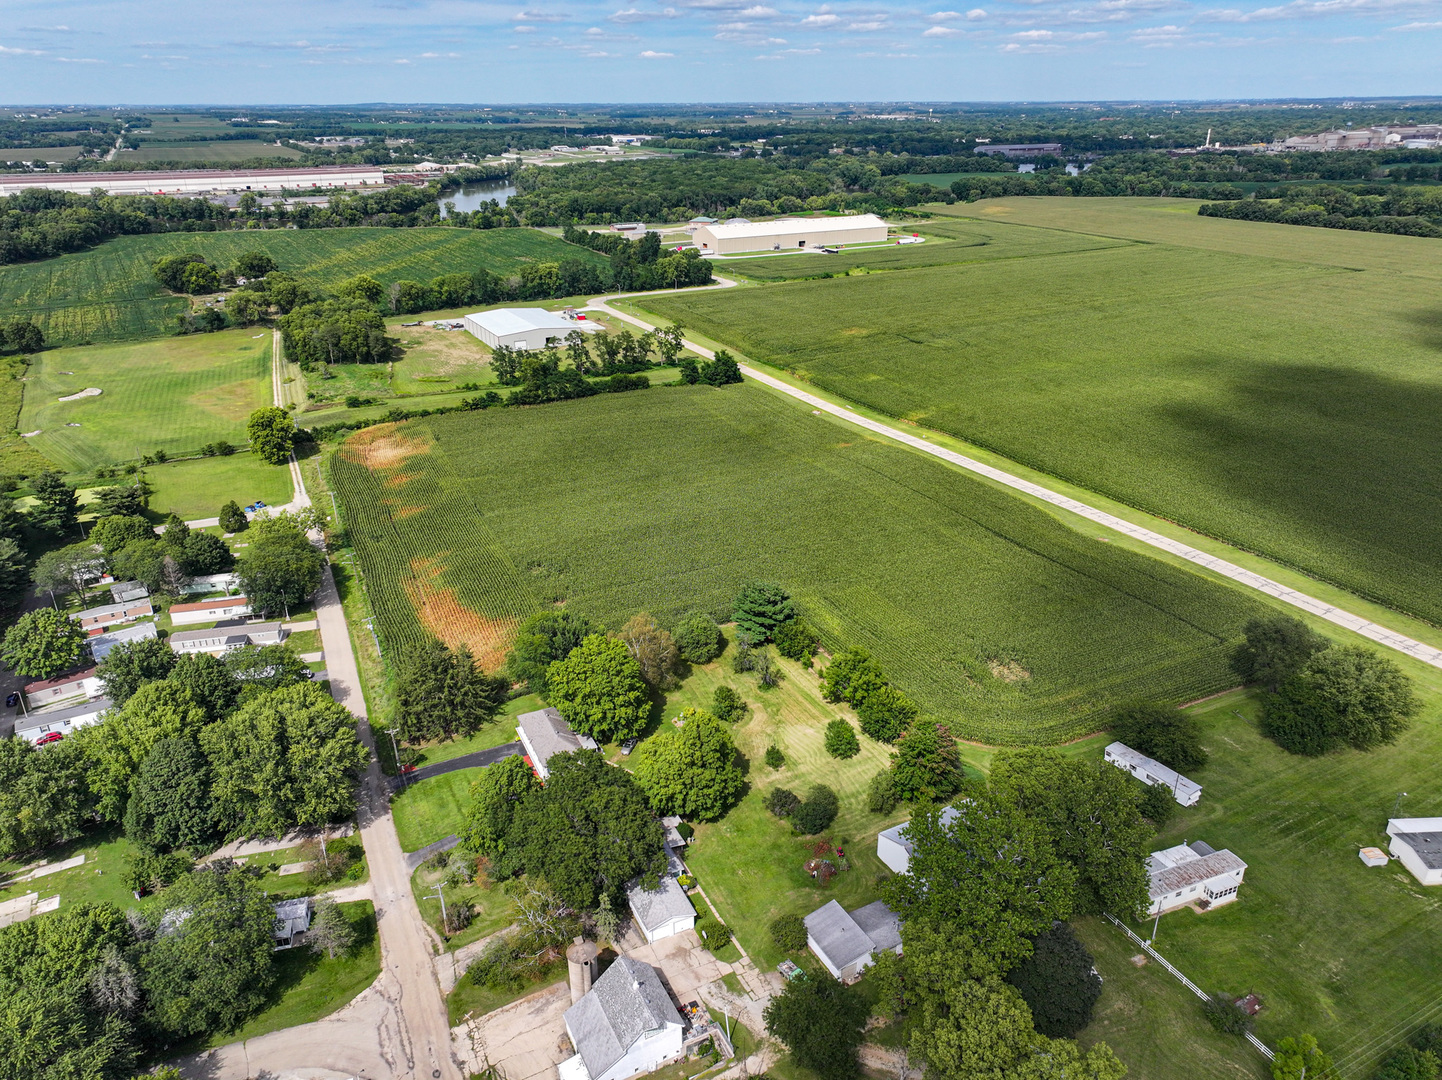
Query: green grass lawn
[99,880]
[227,150]
[1277,391]
[468,999]
[199,488]
[432,809]
[173,395]
[490,906]
[985,610]
[310,985]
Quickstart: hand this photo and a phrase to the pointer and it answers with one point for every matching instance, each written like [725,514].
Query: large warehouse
[789,233]
[524,327]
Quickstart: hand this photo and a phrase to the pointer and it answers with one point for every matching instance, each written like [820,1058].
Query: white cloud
[78,60]
[943,16]
[1420,26]
[651,54]
[402,61]
[866,27]
[537,16]
[5,50]
[760,11]
[942,32]
[634,15]
[824,19]
[1013,47]
[787,54]
[524,29]
[1314,9]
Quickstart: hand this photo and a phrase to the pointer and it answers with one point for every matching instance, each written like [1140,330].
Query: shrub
[818,811]
[768,672]
[789,933]
[715,935]
[881,797]
[841,740]
[698,638]
[1171,736]
[1407,1063]
[1157,804]
[795,640]
[1226,1016]
[726,704]
[781,802]
[774,757]
[1059,982]
[232,517]
[458,917]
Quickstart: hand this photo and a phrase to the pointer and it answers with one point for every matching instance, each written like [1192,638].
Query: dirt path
[1310,604]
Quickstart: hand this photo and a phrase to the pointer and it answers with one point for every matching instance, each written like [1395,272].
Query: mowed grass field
[1274,386]
[110,294]
[222,150]
[989,612]
[174,394]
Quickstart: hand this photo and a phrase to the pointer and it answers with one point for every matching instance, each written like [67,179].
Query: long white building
[789,234]
[1192,873]
[1417,844]
[524,327]
[1154,773]
[196,181]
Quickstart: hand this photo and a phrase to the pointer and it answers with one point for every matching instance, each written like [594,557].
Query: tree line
[1404,211]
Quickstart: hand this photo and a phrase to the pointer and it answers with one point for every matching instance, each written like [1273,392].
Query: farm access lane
[1367,628]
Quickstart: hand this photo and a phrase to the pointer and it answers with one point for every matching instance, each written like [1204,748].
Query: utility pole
[1398,802]
[442,898]
[397,754]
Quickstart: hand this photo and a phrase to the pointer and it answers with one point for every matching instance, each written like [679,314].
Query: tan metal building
[789,233]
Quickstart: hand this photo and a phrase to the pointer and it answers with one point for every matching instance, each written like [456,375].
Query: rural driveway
[1310,604]
[479,759]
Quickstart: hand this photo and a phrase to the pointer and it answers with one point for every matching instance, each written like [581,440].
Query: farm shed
[545,734]
[789,233]
[846,942]
[34,727]
[73,684]
[894,849]
[1417,843]
[101,644]
[523,328]
[626,1024]
[1192,874]
[1185,791]
[661,909]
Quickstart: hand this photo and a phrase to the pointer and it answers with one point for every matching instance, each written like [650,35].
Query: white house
[789,234]
[626,1024]
[101,644]
[1192,874]
[204,611]
[63,721]
[292,920]
[894,849]
[660,910]
[847,942]
[222,639]
[123,591]
[1185,791]
[211,583]
[524,328]
[79,684]
[544,734]
[107,615]
[1417,842]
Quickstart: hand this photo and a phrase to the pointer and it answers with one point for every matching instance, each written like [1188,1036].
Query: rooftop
[48,718]
[101,644]
[219,601]
[655,904]
[60,680]
[1153,772]
[625,1004]
[1427,845]
[898,832]
[793,226]
[1182,867]
[240,632]
[838,935]
[549,734]
[521,319]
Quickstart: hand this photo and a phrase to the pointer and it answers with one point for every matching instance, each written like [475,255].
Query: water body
[471,196]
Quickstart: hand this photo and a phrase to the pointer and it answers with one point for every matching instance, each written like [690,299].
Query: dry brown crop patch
[441,612]
[386,447]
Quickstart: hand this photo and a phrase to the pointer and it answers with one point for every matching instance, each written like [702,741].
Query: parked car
[250,509]
[259,505]
[408,768]
[307,674]
[13,699]
[628,746]
[46,740]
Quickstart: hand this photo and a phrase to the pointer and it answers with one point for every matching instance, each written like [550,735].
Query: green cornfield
[989,612]
[1273,386]
[110,294]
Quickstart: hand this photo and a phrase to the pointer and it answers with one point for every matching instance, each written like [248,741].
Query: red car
[46,740]
[408,768]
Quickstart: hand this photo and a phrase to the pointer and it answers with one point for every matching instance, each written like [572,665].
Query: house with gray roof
[292,920]
[1153,773]
[626,1024]
[1194,873]
[222,639]
[1417,844]
[847,942]
[124,591]
[101,644]
[894,849]
[65,720]
[544,734]
[660,909]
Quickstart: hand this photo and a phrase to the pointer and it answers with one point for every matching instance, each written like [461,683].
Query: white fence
[1193,987]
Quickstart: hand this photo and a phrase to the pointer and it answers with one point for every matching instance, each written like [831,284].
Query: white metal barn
[789,234]
[1417,843]
[523,328]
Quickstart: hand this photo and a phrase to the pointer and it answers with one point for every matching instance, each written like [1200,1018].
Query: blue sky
[322,51]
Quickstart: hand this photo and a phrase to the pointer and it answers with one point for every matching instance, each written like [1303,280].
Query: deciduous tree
[599,690]
[131,664]
[1163,732]
[841,740]
[1300,1058]
[822,1023]
[232,517]
[495,797]
[272,434]
[1346,695]
[169,803]
[698,638]
[543,638]
[1059,983]
[927,764]
[691,771]
[1276,648]
[654,649]
[43,643]
[281,566]
[44,798]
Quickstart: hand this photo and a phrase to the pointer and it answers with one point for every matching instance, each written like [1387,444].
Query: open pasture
[1289,404]
[175,394]
[109,293]
[223,150]
[987,611]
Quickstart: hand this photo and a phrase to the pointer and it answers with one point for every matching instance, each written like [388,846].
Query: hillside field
[110,294]
[988,611]
[1274,386]
[175,394]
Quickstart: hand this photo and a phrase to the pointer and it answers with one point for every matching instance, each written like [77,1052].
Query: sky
[157,52]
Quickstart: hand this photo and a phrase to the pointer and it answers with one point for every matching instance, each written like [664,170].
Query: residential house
[80,684]
[894,849]
[544,734]
[1185,791]
[292,920]
[222,639]
[101,644]
[108,615]
[626,1024]
[660,910]
[63,721]
[1192,873]
[122,592]
[209,611]
[211,583]
[847,942]
[1417,843]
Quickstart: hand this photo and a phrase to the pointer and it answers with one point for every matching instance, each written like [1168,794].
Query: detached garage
[789,233]
[523,328]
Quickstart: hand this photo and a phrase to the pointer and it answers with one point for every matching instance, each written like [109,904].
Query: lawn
[109,293]
[987,611]
[99,880]
[311,985]
[432,809]
[490,906]
[1278,391]
[226,150]
[199,488]
[468,999]
[174,395]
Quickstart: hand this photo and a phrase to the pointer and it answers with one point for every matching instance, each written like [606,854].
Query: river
[471,196]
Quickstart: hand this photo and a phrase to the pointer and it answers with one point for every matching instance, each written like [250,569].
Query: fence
[1262,1047]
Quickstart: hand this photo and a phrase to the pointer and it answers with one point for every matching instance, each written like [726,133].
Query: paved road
[396,1028]
[1252,580]
[479,759]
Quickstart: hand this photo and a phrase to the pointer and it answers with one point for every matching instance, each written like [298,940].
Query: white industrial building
[194,181]
[789,233]
[1192,874]
[524,327]
[1154,773]
[1417,844]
